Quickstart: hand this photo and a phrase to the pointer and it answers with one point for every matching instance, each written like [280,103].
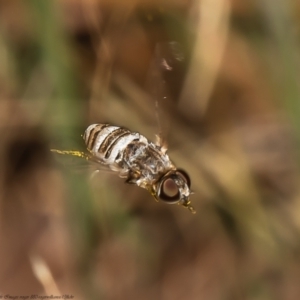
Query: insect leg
[152,192]
[188,206]
[94,174]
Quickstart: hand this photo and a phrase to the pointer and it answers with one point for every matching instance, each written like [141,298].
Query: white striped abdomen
[105,141]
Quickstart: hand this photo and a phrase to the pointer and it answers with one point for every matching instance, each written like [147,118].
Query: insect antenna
[188,206]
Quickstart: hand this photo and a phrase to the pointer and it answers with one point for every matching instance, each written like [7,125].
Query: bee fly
[139,161]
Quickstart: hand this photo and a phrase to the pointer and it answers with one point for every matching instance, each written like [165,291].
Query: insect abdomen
[106,141]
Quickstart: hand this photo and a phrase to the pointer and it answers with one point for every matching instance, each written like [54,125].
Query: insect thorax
[145,161]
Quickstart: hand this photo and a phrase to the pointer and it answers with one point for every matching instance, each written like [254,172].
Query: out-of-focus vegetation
[225,75]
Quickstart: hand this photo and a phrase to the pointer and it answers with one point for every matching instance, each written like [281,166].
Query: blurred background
[219,80]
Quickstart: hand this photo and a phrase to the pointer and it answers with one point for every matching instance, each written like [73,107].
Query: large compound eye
[168,191]
[185,176]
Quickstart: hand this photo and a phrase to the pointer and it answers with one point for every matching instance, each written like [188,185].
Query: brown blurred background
[225,77]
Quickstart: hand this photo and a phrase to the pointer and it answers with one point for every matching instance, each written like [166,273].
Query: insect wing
[162,74]
[79,161]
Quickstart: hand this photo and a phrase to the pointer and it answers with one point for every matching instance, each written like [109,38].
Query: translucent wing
[80,161]
[162,77]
